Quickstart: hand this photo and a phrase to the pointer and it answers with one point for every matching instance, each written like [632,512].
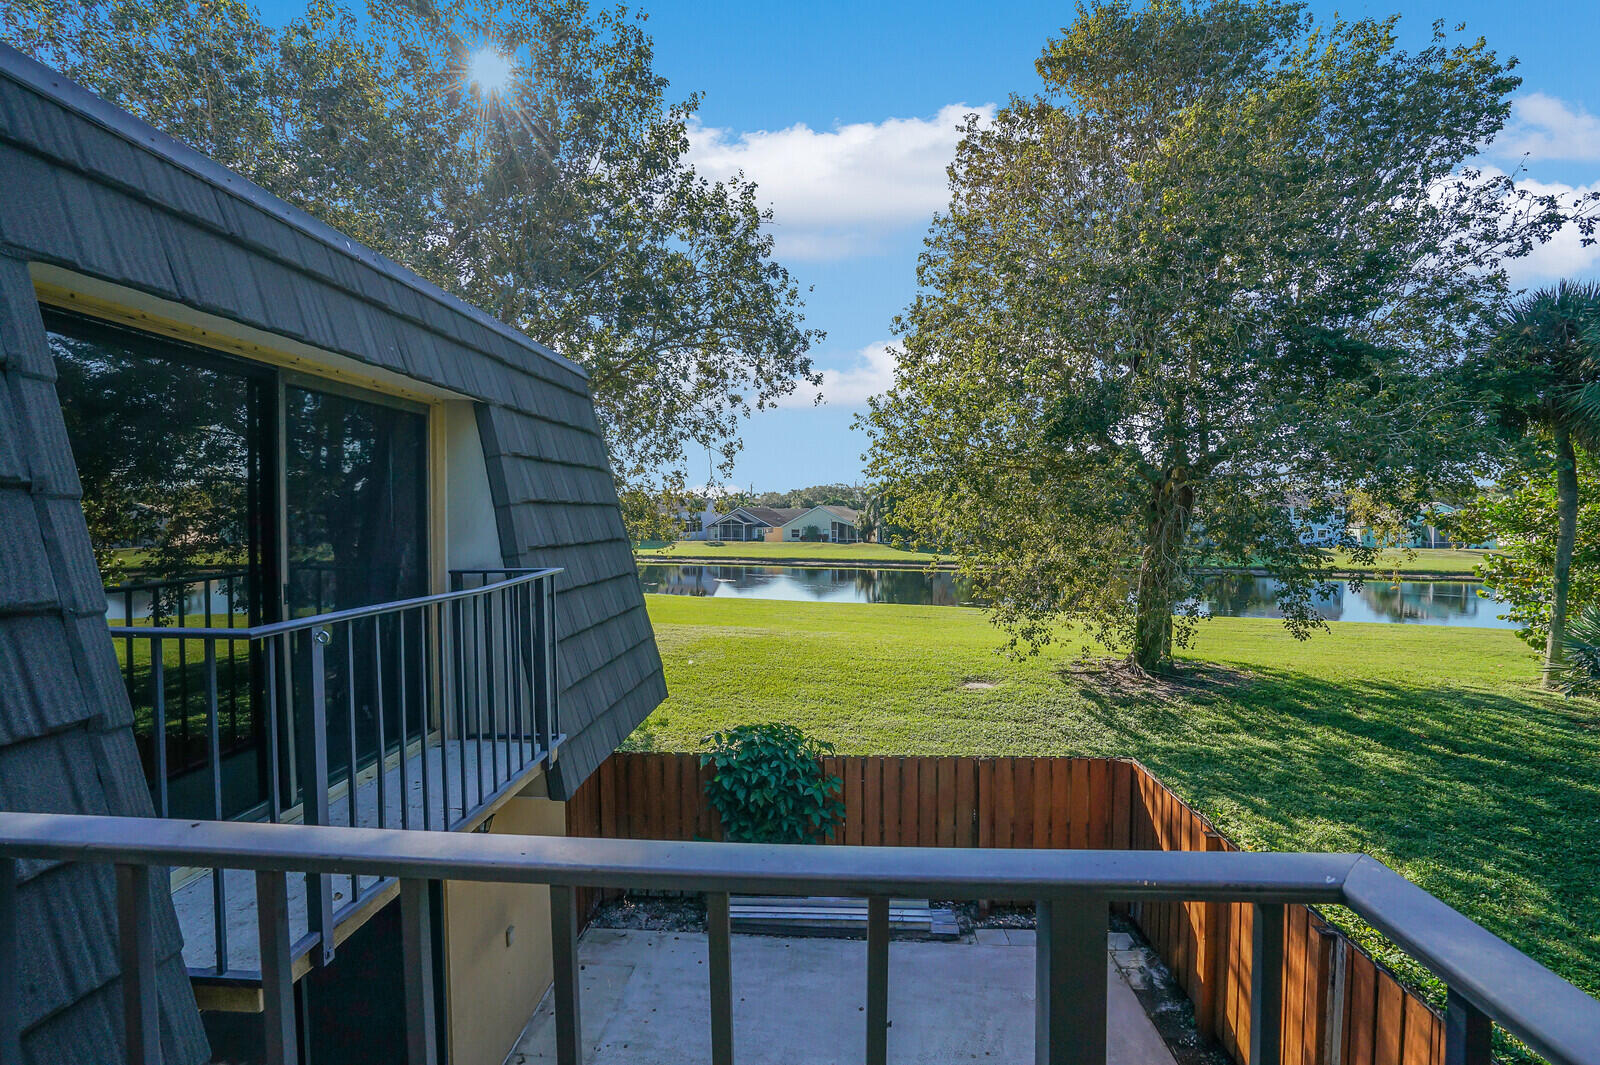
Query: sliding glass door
[356,487]
[219,493]
[174,447]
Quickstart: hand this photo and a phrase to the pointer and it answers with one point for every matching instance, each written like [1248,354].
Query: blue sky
[842,112]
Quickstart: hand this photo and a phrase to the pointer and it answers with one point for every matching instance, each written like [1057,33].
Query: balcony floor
[644,1002]
[194,901]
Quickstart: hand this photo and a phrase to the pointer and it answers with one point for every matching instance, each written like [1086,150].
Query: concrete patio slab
[644,1002]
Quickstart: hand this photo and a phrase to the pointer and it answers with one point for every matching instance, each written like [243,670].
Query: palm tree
[1542,371]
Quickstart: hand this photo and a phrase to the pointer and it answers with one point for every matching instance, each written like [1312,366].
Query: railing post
[158,720]
[313,749]
[141,1008]
[277,968]
[719,960]
[416,933]
[219,882]
[564,936]
[551,685]
[1266,984]
[1468,1032]
[1070,975]
[877,980]
[10,967]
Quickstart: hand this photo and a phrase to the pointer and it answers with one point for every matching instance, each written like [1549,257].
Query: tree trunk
[1167,527]
[1566,537]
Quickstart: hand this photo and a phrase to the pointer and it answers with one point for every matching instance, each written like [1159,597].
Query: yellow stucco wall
[495,985]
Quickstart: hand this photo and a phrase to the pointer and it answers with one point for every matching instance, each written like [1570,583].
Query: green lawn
[1428,561]
[1430,748]
[1425,560]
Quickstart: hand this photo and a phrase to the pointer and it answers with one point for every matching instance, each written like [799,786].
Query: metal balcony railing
[1489,981]
[415,714]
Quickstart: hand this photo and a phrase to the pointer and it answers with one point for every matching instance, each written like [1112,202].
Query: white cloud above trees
[868,372]
[837,192]
[1546,128]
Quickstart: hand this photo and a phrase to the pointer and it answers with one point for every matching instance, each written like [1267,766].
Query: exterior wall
[472,538]
[793,531]
[497,945]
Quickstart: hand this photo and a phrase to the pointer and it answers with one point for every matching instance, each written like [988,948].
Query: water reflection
[1408,602]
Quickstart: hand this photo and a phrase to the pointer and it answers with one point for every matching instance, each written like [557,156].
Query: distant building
[824,524]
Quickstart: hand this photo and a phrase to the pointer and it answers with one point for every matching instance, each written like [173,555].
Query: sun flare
[489,71]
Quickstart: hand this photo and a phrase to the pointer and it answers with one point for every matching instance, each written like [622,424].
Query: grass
[1430,748]
[1428,560]
[1425,561]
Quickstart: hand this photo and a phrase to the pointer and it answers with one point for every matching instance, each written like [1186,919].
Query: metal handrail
[1489,980]
[275,628]
[455,691]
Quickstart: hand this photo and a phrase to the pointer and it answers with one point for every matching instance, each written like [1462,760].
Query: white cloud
[1545,127]
[836,192]
[1563,255]
[869,372]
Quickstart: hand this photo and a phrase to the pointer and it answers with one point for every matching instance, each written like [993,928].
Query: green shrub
[769,786]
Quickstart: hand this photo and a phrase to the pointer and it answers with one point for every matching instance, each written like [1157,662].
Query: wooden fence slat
[1099,803]
[1077,792]
[855,814]
[1317,991]
[1241,936]
[928,798]
[1362,1012]
[693,797]
[1191,838]
[1060,803]
[1121,784]
[1388,1031]
[1417,1047]
[1043,792]
[1022,811]
[1004,801]
[946,774]
[910,834]
[872,802]
[670,799]
[891,803]
[1209,1003]
[710,820]
[988,801]
[1294,977]
[966,803]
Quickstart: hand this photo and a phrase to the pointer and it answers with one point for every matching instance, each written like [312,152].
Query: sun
[489,71]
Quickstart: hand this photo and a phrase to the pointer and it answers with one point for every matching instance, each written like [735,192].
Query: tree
[1525,515]
[562,202]
[1223,261]
[1542,364]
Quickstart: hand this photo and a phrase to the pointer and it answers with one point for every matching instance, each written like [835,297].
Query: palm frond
[1577,671]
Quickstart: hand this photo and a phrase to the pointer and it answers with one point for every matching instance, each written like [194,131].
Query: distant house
[1314,525]
[1426,532]
[825,524]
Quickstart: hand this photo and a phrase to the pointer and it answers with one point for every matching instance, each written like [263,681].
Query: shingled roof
[90,189]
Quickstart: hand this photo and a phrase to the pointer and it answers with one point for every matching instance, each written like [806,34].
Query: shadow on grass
[1484,799]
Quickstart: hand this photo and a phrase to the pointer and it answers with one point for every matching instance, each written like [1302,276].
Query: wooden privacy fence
[1339,1006]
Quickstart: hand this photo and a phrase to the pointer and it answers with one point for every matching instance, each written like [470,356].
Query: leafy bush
[769,785]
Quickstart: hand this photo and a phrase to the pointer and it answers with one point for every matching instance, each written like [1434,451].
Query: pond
[1408,602]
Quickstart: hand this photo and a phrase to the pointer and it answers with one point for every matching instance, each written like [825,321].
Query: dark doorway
[174,448]
[357,495]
